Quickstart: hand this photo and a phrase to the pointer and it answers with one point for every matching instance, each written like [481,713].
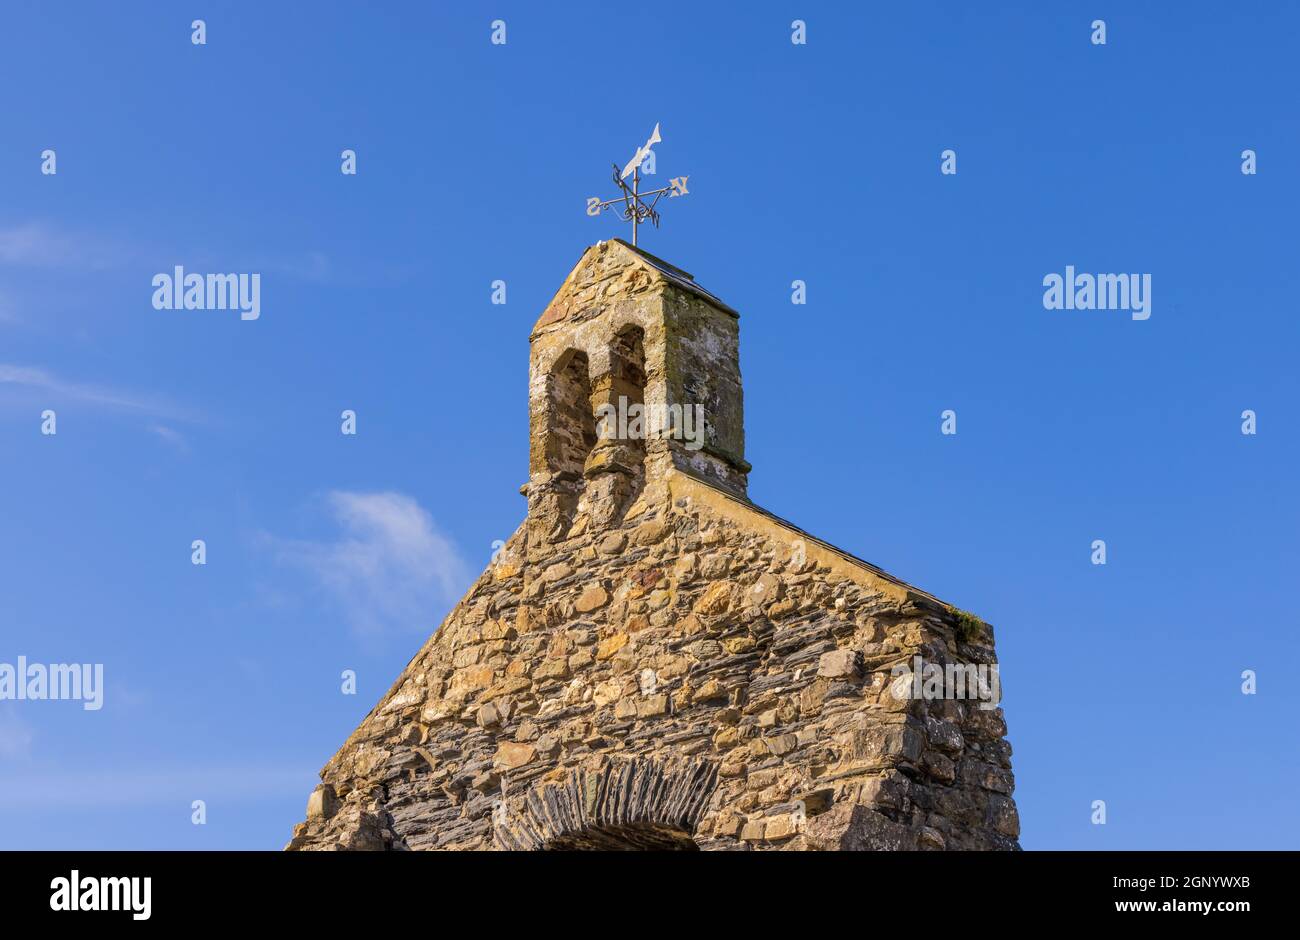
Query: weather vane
[635,209]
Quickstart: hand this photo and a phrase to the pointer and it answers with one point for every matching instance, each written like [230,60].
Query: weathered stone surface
[613,543]
[711,689]
[610,646]
[855,828]
[511,755]
[715,600]
[653,662]
[649,533]
[782,744]
[592,598]
[839,664]
[489,716]
[781,827]
[557,572]
[651,706]
[322,804]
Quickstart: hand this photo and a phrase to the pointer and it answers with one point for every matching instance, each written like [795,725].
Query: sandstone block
[781,827]
[733,766]
[840,664]
[609,646]
[855,828]
[649,533]
[511,755]
[781,609]
[607,692]
[613,543]
[506,687]
[782,744]
[524,620]
[712,689]
[625,708]
[715,566]
[322,804]
[488,716]
[466,656]
[552,669]
[652,706]
[636,623]
[593,597]
[766,590]
[716,600]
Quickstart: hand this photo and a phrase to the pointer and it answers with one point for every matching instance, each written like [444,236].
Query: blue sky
[817,162]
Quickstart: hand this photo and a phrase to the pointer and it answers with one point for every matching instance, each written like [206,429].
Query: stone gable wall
[653,662]
[694,633]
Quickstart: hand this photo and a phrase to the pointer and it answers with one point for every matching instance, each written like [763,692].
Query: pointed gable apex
[616,258]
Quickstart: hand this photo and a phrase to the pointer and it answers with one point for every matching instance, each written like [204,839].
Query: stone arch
[570,423]
[650,334]
[562,432]
[627,361]
[615,468]
[621,387]
[622,805]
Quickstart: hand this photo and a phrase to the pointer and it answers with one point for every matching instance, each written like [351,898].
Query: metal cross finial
[634,207]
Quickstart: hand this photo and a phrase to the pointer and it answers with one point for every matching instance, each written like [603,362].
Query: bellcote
[634,369]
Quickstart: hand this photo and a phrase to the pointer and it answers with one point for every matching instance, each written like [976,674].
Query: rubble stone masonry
[654,662]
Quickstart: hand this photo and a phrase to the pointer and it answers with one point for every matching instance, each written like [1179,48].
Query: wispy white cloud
[45,245]
[389,569]
[42,245]
[172,437]
[102,787]
[59,390]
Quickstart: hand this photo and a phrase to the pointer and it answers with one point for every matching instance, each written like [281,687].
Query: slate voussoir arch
[622,805]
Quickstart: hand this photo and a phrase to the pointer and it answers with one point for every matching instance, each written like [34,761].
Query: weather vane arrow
[634,207]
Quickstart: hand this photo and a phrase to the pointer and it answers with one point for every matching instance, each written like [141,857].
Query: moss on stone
[969,627]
